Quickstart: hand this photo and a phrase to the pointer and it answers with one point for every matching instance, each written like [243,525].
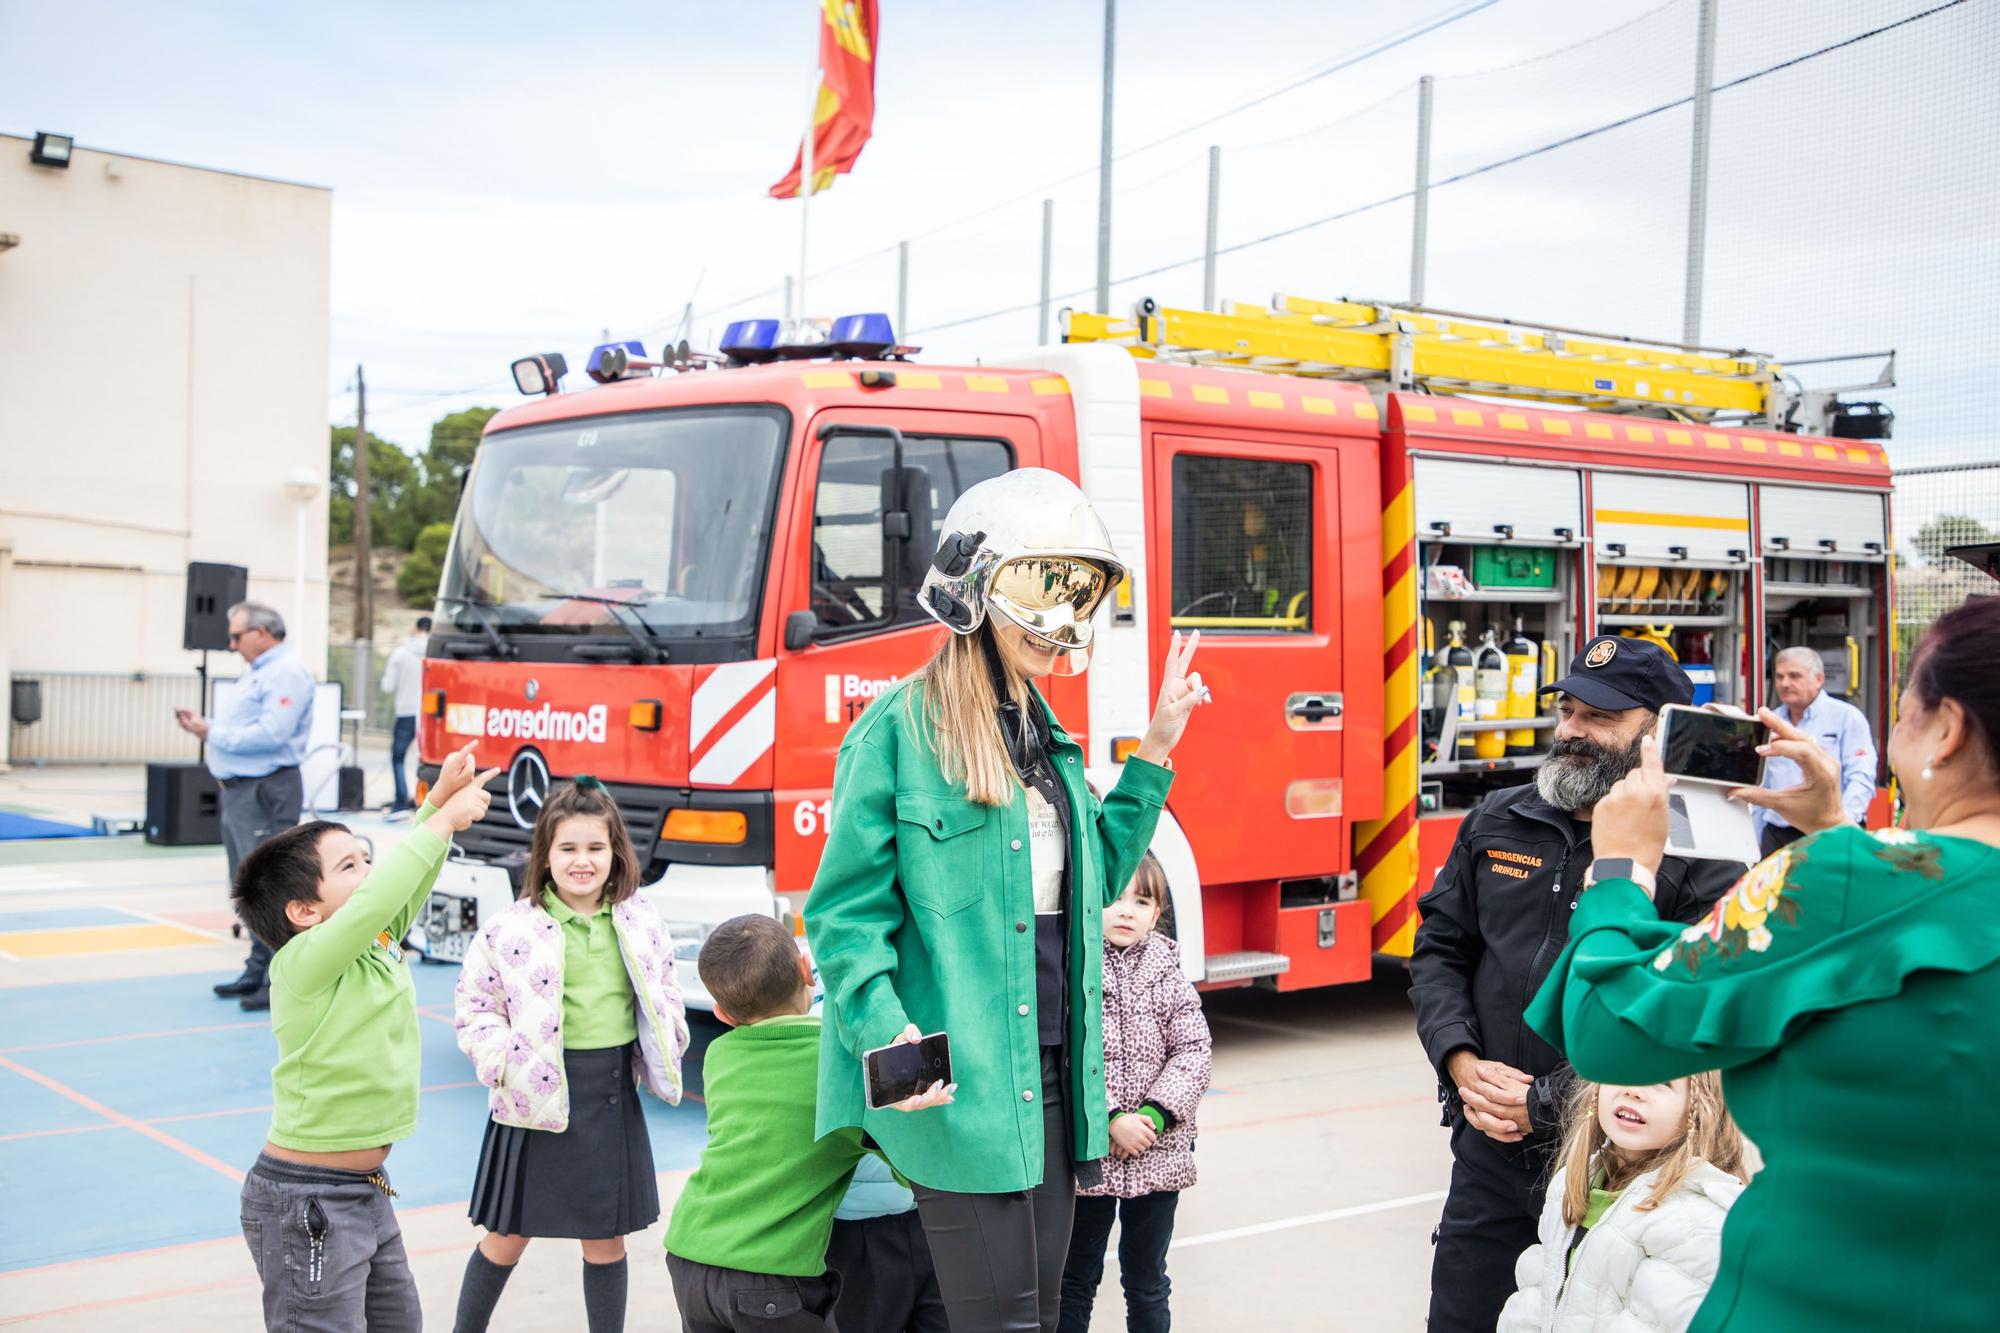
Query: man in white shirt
[1841,730]
[403,677]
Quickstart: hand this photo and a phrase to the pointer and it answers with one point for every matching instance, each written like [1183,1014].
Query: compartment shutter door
[1806,518]
[1650,515]
[1478,498]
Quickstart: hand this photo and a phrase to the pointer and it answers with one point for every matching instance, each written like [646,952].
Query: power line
[1468,174]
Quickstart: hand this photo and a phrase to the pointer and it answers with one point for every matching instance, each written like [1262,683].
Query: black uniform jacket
[1493,924]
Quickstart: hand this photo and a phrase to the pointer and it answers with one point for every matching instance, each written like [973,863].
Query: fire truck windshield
[666,513]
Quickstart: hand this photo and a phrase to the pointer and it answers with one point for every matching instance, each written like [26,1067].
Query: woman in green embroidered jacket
[965,875]
[1847,986]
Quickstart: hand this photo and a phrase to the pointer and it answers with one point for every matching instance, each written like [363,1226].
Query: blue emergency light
[751,340]
[865,336]
[604,368]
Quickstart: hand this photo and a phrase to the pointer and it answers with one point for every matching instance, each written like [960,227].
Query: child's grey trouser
[328,1249]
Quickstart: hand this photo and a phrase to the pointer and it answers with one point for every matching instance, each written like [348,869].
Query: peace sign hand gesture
[1180,694]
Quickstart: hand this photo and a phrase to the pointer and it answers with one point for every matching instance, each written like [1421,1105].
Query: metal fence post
[1421,215]
[902,286]
[1214,211]
[1048,250]
[1697,235]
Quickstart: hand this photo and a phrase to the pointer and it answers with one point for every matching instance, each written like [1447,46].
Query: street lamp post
[302,487]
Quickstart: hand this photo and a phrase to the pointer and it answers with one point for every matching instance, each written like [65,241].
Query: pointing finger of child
[486,776]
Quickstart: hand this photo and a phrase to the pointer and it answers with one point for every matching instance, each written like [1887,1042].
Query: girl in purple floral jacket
[1156,1061]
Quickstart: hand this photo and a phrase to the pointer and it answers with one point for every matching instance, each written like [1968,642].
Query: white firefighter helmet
[1027,545]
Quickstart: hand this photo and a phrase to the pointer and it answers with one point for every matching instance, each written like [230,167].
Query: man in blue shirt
[1841,730]
[255,745]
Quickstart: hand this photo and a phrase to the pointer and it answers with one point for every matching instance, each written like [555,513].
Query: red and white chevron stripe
[732,721]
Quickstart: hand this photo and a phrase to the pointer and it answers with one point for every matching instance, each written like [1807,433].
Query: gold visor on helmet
[1050,596]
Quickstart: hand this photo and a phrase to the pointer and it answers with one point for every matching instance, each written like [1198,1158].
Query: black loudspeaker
[211,590]
[183,806]
[350,788]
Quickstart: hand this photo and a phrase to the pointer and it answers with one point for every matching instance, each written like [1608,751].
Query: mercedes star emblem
[534,688]
[527,787]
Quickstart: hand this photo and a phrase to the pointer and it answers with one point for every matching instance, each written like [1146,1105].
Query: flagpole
[806,162]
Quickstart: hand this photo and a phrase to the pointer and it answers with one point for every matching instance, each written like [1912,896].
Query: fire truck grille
[500,840]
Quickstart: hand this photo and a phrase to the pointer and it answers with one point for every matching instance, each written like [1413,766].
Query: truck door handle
[1314,712]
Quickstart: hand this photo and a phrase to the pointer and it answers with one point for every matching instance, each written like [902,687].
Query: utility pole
[1104,166]
[1214,216]
[1697,231]
[364,576]
[1420,223]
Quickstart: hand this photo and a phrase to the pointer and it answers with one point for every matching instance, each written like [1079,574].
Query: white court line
[54,885]
[1309,1219]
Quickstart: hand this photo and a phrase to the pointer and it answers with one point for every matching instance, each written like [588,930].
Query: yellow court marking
[95,939]
[1210,393]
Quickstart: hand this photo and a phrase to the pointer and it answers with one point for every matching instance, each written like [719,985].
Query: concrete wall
[163,354]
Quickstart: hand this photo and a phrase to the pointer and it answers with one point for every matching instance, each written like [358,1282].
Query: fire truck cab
[690,580]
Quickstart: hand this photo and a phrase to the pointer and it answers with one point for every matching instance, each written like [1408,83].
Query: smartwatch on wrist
[1618,867]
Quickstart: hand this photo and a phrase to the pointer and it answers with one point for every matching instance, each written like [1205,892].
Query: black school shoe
[257,1000]
[243,985]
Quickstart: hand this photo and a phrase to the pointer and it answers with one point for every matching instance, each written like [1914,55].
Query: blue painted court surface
[130,1108]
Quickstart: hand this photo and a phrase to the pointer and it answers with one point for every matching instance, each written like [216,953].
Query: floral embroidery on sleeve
[1904,851]
[1740,920]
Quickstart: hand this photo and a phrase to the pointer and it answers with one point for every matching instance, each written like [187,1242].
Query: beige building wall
[163,374]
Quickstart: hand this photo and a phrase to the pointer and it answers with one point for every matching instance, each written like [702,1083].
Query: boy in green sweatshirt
[316,1211]
[747,1244]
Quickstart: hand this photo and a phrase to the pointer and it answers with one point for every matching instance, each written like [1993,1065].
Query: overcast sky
[508,179]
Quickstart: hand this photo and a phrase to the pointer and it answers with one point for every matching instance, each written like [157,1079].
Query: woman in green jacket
[1848,987]
[961,890]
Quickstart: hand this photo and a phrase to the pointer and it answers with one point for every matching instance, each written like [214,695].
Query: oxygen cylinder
[1551,672]
[1459,658]
[1524,660]
[1490,701]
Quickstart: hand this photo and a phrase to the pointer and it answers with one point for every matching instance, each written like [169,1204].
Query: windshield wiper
[479,608]
[650,652]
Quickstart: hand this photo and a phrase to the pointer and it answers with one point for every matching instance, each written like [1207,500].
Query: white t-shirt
[1047,855]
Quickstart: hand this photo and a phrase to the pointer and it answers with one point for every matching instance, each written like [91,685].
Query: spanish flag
[845,114]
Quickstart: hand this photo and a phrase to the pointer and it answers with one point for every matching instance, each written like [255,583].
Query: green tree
[454,440]
[1945,531]
[417,581]
[392,475]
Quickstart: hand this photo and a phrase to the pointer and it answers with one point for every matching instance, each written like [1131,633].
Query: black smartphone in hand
[897,1072]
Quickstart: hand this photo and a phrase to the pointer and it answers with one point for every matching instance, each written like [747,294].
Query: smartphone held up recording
[903,1070]
[1707,753]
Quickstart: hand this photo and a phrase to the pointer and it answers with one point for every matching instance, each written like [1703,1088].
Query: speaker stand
[201,742]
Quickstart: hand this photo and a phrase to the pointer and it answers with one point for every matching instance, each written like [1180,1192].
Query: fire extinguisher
[1491,701]
[1523,675]
[1459,658]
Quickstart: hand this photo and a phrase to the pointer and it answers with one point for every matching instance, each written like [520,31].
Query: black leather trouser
[999,1257]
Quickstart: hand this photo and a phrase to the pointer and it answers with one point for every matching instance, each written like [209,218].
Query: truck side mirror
[800,626]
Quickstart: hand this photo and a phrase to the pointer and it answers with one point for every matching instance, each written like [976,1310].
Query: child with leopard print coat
[1156,1067]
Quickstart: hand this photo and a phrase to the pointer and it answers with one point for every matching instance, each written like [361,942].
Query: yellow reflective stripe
[1316,406]
[1044,388]
[1265,399]
[827,379]
[1555,425]
[985,384]
[1210,393]
[1419,412]
[1155,388]
[1513,421]
[1644,519]
[918,379]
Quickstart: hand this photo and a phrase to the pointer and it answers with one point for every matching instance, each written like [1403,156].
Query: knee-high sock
[479,1292]
[604,1296]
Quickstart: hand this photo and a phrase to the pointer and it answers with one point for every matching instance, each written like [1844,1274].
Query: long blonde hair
[959,708]
[1710,1136]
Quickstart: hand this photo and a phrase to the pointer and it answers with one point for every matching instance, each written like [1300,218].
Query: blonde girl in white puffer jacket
[1632,1231]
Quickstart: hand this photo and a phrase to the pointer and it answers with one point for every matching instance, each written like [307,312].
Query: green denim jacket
[923,911]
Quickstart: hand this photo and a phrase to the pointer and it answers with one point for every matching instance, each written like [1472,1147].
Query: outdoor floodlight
[52,150]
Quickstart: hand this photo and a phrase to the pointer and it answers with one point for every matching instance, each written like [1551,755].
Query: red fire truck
[689,581]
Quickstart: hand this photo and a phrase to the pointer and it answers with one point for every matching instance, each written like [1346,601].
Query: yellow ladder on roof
[1412,348]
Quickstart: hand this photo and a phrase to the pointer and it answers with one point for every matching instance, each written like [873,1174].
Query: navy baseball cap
[1615,674]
